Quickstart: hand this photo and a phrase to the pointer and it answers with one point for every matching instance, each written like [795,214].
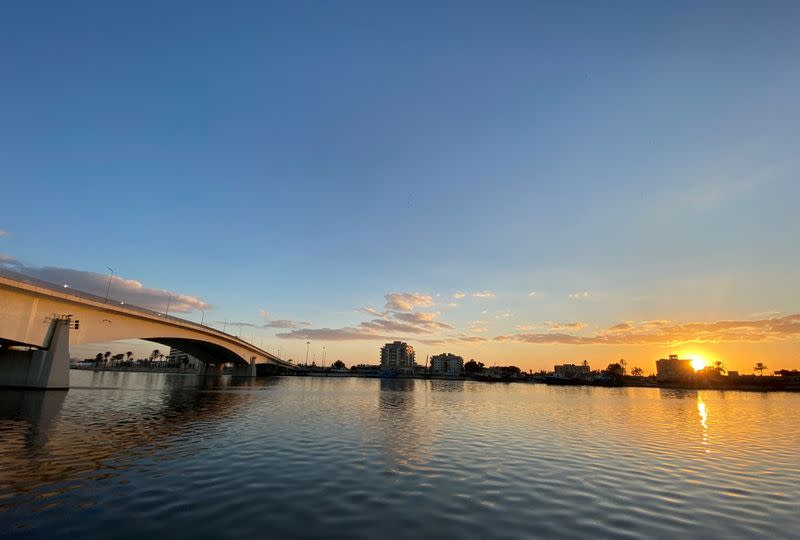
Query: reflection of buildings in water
[445,385]
[404,435]
[396,401]
[57,436]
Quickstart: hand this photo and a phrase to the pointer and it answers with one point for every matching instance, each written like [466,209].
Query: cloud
[4,232]
[452,304]
[374,312]
[477,327]
[459,295]
[555,326]
[578,295]
[670,332]
[455,340]
[525,327]
[532,294]
[9,261]
[483,294]
[385,325]
[129,291]
[333,334]
[407,301]
[281,323]
[263,313]
[504,314]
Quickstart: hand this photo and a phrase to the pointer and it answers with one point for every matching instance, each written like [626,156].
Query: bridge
[47,319]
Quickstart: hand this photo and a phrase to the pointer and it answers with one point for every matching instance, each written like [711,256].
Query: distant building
[572,371]
[183,358]
[397,355]
[674,368]
[447,364]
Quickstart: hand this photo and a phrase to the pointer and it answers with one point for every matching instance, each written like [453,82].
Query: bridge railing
[30,280]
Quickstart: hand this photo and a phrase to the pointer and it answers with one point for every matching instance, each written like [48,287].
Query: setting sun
[698,363]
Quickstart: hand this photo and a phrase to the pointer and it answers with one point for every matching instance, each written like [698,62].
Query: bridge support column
[213,369]
[44,369]
[245,371]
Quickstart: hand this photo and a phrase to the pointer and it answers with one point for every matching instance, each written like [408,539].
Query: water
[124,454]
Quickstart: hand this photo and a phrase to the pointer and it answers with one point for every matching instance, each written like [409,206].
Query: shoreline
[770,385]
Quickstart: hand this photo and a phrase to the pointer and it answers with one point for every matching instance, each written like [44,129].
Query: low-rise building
[674,369]
[447,364]
[572,371]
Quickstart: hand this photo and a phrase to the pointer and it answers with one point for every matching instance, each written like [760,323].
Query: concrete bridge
[50,318]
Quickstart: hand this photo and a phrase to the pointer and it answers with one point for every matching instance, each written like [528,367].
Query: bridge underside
[208,353]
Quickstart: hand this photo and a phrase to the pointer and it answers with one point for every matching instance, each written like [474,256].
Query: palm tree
[720,367]
[761,367]
[624,365]
[637,372]
[106,356]
[128,355]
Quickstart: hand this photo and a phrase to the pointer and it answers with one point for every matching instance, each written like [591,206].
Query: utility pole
[323,357]
[308,343]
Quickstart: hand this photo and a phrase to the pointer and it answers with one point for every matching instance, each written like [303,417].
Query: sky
[524,183]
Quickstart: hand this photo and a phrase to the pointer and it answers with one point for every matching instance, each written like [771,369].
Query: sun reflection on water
[702,410]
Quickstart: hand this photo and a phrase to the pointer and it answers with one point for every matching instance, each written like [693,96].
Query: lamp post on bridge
[203,318]
[169,301]
[110,277]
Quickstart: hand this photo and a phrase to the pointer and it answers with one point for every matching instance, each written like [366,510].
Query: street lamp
[168,304]
[110,277]
[203,318]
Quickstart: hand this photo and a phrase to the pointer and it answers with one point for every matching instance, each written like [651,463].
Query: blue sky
[308,159]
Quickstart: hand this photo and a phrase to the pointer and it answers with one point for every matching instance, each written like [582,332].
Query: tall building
[397,355]
[447,364]
[674,368]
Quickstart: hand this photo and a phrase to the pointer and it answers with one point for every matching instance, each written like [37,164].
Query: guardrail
[69,291]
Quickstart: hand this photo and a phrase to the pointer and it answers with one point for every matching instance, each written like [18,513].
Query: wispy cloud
[578,295]
[391,323]
[558,326]
[279,323]
[531,294]
[671,332]
[407,301]
[459,295]
[129,291]
[483,294]
[4,232]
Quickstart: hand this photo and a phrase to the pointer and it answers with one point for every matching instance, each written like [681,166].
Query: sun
[698,363]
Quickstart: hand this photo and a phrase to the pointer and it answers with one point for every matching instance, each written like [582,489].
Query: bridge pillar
[213,369]
[45,369]
[245,371]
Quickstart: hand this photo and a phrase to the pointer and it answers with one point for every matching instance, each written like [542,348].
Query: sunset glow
[698,363]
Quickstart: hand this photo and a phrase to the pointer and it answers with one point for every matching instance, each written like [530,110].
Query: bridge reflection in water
[122,417]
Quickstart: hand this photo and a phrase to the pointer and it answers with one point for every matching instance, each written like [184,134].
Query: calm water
[125,454]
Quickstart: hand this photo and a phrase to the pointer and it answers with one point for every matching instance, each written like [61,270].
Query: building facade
[572,371]
[178,356]
[447,364]
[397,355]
[674,368]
